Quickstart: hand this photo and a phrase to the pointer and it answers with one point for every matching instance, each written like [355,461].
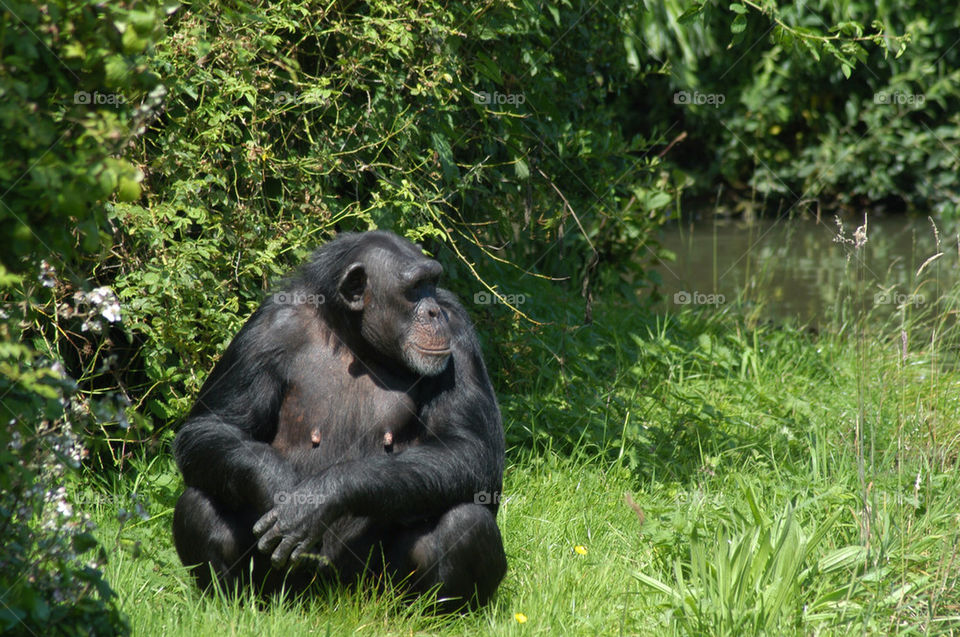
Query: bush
[50,561]
[73,71]
[74,92]
[833,104]
[455,125]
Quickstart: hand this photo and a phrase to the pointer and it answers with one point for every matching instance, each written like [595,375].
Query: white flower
[48,275]
[64,509]
[106,302]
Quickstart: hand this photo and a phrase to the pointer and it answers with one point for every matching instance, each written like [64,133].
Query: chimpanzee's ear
[352,285]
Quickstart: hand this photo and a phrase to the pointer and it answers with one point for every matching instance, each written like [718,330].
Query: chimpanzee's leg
[212,540]
[461,554]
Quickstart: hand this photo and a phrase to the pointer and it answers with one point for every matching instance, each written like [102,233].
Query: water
[796,269]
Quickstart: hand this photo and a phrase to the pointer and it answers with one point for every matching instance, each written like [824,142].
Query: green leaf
[445,156]
[107,179]
[690,13]
[554,13]
[41,610]
[654,584]
[83,542]
[633,60]
[845,557]
[521,170]
[659,200]
[739,24]
[132,42]
[128,189]
[116,70]
[143,21]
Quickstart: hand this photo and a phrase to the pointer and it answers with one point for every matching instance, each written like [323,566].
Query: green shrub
[75,89]
[460,126]
[50,563]
[833,104]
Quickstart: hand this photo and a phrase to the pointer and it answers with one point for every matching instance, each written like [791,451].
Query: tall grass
[880,438]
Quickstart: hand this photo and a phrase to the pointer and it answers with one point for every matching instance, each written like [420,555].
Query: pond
[804,270]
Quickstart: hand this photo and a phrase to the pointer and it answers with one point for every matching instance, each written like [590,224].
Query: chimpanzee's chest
[340,409]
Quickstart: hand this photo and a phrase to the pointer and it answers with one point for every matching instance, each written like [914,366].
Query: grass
[782,483]
[687,474]
[545,504]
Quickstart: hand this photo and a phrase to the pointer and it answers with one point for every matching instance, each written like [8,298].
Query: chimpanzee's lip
[432,352]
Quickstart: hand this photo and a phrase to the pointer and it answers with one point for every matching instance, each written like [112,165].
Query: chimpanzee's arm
[223,448]
[459,459]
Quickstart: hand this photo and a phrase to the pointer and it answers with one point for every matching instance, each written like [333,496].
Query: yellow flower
[581,549]
[521,618]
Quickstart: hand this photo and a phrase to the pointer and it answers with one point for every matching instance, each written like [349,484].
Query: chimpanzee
[350,429]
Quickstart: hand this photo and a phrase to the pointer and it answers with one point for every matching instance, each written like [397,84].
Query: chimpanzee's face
[394,289]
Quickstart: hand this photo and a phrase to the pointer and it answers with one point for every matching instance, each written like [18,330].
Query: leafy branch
[844,43]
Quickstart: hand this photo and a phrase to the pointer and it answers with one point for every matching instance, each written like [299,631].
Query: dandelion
[580,549]
[521,618]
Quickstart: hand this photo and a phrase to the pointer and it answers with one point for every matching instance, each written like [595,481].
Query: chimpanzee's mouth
[433,352]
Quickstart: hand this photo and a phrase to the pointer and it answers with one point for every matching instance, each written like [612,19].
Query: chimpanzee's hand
[297,521]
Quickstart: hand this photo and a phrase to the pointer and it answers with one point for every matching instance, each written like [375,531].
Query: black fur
[317,423]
